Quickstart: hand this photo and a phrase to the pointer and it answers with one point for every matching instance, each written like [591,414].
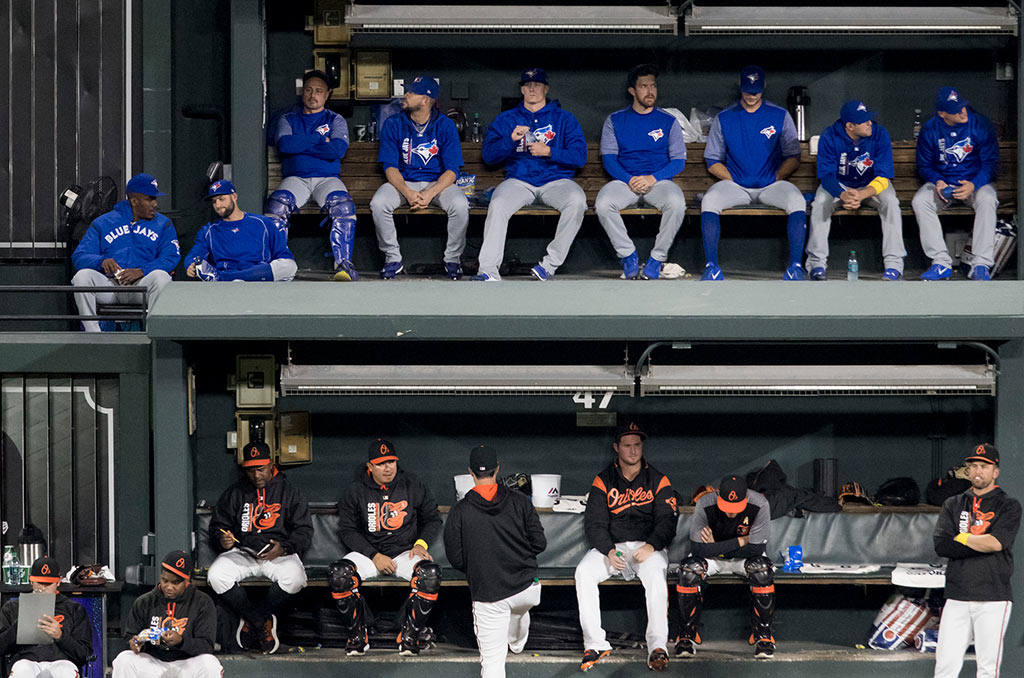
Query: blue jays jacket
[953,152]
[550,125]
[147,245]
[420,156]
[311,145]
[237,245]
[843,162]
[752,146]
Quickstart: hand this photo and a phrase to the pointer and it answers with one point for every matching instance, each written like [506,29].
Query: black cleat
[764,649]
[591,657]
[686,648]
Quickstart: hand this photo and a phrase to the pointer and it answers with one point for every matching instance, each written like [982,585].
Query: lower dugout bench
[858,535]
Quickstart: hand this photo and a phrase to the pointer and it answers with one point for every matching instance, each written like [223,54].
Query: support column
[173,491]
[157,113]
[248,104]
[1020,145]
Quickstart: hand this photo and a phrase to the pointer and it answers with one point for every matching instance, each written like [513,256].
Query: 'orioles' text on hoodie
[192,614]
[557,129]
[278,512]
[74,644]
[387,519]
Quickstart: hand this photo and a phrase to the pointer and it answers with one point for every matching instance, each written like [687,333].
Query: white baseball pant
[502,626]
[595,568]
[404,564]
[727,566]
[154,282]
[452,200]
[233,566]
[981,622]
[927,206]
[142,665]
[725,194]
[317,187]
[888,206]
[664,196]
[564,195]
[62,668]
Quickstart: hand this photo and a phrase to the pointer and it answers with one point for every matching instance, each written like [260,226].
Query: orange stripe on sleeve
[599,484]
[663,484]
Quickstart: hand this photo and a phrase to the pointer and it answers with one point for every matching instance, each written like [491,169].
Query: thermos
[31,545]
[797,103]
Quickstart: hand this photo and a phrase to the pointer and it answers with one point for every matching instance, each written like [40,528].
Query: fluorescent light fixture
[850,20]
[455,380]
[818,380]
[508,19]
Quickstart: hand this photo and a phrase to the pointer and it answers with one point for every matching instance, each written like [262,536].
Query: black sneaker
[591,657]
[658,661]
[269,642]
[764,649]
[408,647]
[244,636]
[686,648]
[357,645]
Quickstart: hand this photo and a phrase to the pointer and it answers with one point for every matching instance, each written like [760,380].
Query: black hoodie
[278,512]
[387,519]
[74,644]
[495,542]
[192,614]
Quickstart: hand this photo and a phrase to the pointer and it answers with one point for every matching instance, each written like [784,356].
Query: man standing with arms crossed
[976,530]
[494,535]
[642,149]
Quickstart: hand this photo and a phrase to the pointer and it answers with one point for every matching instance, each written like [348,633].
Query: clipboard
[31,607]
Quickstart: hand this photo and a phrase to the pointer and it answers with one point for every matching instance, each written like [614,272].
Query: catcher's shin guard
[692,572]
[761,576]
[343,578]
[341,212]
[279,207]
[425,585]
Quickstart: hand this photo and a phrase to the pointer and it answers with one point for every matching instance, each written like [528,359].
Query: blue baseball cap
[144,184]
[533,75]
[855,111]
[423,84]
[222,187]
[948,100]
[752,80]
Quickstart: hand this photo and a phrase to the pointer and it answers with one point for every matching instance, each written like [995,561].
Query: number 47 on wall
[587,399]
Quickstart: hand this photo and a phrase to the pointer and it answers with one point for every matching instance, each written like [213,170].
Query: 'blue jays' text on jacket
[635,144]
[844,162]
[145,245]
[311,145]
[967,151]
[550,125]
[420,156]
[752,146]
[238,245]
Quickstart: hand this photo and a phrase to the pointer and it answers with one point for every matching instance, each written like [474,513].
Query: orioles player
[386,519]
[68,627]
[630,520]
[728,533]
[261,526]
[421,156]
[171,629]
[976,530]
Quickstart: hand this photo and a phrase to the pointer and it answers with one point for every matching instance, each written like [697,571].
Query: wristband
[962,538]
[420,542]
[879,184]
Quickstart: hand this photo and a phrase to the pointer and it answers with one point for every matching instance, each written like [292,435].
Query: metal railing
[119,310]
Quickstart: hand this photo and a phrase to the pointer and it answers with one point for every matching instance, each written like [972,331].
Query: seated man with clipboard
[45,631]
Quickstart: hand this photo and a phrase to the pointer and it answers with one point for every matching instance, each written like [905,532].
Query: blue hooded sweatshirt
[146,245]
[550,125]
[420,156]
[968,151]
[843,162]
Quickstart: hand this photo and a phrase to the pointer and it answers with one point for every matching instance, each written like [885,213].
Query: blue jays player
[541,146]
[239,246]
[421,156]
[311,141]
[132,244]
[752,147]
[855,166]
[642,149]
[957,153]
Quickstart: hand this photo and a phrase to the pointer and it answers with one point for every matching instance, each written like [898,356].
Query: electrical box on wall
[255,425]
[255,382]
[373,74]
[335,63]
[329,23]
[294,438]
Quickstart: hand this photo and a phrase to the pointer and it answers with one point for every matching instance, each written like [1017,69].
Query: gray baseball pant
[725,194]
[927,206]
[664,196]
[452,200]
[154,281]
[564,195]
[316,187]
[888,206]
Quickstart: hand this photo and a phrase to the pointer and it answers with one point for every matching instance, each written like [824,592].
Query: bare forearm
[395,178]
[983,543]
[720,171]
[788,166]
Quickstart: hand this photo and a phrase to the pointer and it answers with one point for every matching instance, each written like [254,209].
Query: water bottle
[917,122]
[12,566]
[371,130]
[476,128]
[852,267]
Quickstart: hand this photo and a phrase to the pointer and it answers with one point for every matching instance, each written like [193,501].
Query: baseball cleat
[344,271]
[764,649]
[630,266]
[712,272]
[540,273]
[358,644]
[980,273]
[794,272]
[483,277]
[892,275]
[658,661]
[408,647]
[937,272]
[591,657]
[818,273]
[453,270]
[269,642]
[243,635]
[391,269]
[652,269]
[686,648]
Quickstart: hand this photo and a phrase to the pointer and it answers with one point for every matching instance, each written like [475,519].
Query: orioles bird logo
[980,520]
[656,134]
[254,451]
[733,496]
[45,569]
[179,563]
[769,131]
[59,618]
[266,515]
[391,515]
[171,622]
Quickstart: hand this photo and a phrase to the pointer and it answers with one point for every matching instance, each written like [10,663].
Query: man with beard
[642,149]
[241,246]
[421,156]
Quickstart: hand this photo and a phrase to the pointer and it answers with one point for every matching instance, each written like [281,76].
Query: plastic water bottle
[12,566]
[476,128]
[852,267]
[917,122]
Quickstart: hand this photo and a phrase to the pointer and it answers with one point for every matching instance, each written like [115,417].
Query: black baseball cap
[45,571]
[256,453]
[381,451]
[482,459]
[179,563]
[315,73]
[630,429]
[732,494]
[984,452]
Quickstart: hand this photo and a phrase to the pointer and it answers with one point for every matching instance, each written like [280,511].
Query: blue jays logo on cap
[222,187]
[656,134]
[533,75]
[424,85]
[752,80]
[961,149]
[143,183]
[855,112]
[948,100]
[427,151]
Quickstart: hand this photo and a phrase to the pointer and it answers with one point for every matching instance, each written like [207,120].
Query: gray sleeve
[715,149]
[609,142]
[339,128]
[700,518]
[284,128]
[790,142]
[676,145]
[761,529]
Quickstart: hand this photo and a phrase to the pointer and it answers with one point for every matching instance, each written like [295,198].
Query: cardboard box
[373,74]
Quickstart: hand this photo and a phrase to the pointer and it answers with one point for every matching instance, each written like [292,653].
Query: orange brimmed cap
[256,453]
[179,563]
[732,494]
[45,571]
